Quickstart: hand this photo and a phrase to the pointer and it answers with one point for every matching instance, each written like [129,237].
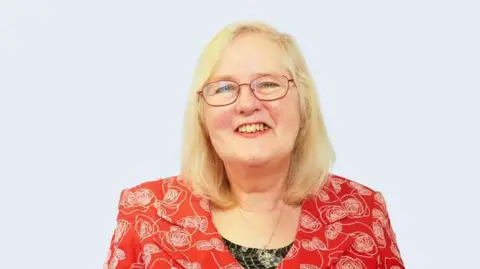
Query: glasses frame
[200,92]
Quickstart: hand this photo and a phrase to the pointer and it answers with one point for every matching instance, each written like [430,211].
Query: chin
[255,160]
[246,160]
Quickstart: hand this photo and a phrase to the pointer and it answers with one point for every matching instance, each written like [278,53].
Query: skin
[256,167]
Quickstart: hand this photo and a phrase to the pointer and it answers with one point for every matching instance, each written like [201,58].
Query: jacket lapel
[321,238]
[186,232]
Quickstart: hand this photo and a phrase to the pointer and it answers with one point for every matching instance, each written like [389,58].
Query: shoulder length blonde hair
[312,155]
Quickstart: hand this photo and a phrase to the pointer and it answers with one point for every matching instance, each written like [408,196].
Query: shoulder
[342,186]
[347,184]
[356,199]
[158,187]
[151,208]
[152,196]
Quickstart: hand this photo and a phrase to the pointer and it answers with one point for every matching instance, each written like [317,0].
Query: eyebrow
[252,76]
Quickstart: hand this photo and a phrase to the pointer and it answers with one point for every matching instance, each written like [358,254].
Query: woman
[255,189]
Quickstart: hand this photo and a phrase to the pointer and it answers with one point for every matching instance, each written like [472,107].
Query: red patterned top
[161,224]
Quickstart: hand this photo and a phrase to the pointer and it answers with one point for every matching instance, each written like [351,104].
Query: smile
[252,128]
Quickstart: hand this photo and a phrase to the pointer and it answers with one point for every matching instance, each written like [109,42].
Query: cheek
[285,114]
[218,120]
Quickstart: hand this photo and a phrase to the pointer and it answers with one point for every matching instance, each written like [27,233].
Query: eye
[224,88]
[268,84]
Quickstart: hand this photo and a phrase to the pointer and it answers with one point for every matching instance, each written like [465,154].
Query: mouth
[251,128]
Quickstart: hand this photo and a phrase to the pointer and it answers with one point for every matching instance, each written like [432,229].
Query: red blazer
[161,224]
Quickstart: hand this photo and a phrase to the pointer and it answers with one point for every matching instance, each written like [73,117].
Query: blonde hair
[313,153]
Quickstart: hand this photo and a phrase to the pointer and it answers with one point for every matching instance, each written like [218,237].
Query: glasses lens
[270,87]
[220,92]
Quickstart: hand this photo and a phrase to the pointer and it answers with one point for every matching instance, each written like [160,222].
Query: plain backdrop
[93,93]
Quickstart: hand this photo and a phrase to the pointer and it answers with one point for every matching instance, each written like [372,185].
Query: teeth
[251,128]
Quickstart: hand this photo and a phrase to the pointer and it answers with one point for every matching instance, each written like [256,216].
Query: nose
[246,103]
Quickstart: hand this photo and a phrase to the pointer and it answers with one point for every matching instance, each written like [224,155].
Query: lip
[248,123]
[255,134]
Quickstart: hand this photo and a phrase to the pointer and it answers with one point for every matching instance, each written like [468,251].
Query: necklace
[265,244]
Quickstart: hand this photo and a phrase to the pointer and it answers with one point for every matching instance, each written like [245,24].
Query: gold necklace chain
[274,228]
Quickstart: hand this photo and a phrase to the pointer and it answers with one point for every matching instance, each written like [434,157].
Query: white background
[93,93]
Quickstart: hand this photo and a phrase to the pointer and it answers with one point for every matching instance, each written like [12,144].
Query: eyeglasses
[264,88]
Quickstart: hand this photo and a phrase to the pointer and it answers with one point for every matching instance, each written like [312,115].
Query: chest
[257,230]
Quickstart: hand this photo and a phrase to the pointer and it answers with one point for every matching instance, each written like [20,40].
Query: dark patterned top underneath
[256,258]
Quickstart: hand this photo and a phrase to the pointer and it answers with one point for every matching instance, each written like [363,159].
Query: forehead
[248,56]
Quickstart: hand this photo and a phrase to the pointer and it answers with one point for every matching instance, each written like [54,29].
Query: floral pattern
[162,224]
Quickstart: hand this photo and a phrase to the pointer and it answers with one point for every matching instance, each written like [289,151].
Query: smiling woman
[255,189]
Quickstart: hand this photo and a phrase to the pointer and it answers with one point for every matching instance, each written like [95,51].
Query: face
[242,61]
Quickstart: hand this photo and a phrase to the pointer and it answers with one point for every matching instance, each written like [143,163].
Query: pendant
[268,259]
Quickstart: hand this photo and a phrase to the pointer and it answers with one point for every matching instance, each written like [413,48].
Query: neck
[258,189]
